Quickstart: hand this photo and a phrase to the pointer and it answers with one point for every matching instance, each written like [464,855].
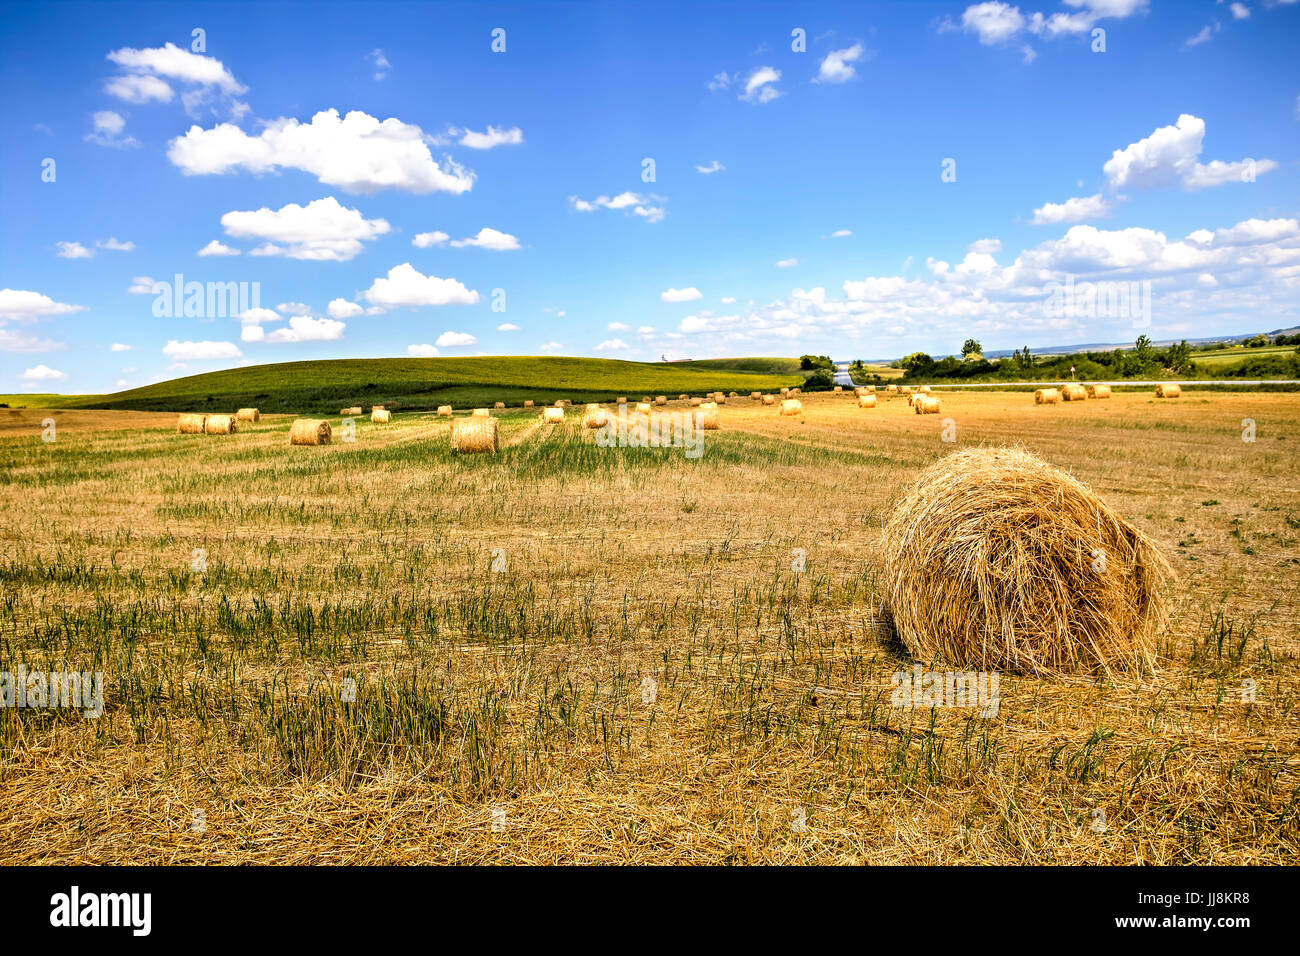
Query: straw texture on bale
[995,560]
[755,394]
[926,405]
[720,398]
[444,411]
[732,395]
[792,406]
[769,399]
[866,401]
[891,390]
[552,415]
[925,389]
[661,399]
[248,415]
[474,435]
[696,401]
[310,431]
[905,390]
[380,416]
[354,410]
[785,392]
[374,408]
[1099,391]
[482,413]
[706,417]
[595,417]
[528,403]
[622,399]
[1168,391]
[643,406]
[683,397]
[221,425]
[1046,396]
[1074,393]
[839,388]
[498,404]
[191,424]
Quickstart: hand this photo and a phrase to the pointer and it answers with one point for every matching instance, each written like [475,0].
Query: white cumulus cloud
[323,230]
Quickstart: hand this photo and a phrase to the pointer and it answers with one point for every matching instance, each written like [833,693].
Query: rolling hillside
[423,383]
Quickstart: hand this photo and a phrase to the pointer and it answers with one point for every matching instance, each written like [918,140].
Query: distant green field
[1216,359]
[424,383]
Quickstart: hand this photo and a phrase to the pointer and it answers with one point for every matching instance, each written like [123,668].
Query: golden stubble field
[376,652]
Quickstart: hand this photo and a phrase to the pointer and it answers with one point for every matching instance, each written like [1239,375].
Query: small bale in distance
[380,416]
[444,411]
[866,401]
[769,399]
[927,405]
[498,404]
[481,413]
[552,416]
[1168,391]
[528,403]
[661,399]
[248,415]
[595,417]
[643,407]
[1099,391]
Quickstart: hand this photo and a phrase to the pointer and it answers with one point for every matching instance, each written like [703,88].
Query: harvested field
[348,680]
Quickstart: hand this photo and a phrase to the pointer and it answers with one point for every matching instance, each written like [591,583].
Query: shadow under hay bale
[996,560]
[310,431]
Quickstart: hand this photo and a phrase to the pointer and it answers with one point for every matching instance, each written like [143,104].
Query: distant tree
[1142,350]
[971,347]
[809,362]
[915,361]
[1023,359]
[1178,358]
[1257,342]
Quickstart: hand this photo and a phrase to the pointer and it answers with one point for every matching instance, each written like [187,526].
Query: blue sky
[824,223]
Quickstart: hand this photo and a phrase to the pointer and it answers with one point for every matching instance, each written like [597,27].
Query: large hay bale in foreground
[1099,391]
[995,560]
[444,411]
[310,431]
[474,435]
[1074,393]
[221,425]
[792,406]
[926,405]
[552,415]
[248,415]
[191,424]
[866,401]
[380,416]
[1046,396]
[1168,391]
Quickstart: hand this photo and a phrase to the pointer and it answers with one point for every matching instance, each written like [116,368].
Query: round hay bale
[375,408]
[191,424]
[646,399]
[528,403]
[221,425]
[706,417]
[661,399]
[891,390]
[866,401]
[1046,396]
[643,407]
[347,412]
[732,395]
[622,400]
[310,431]
[756,395]
[926,405]
[838,388]
[552,415]
[444,411]
[380,416]
[595,417]
[481,413]
[925,389]
[997,560]
[769,399]
[498,404]
[248,415]
[1099,391]
[720,399]
[683,397]
[696,401]
[905,390]
[785,392]
[792,406]
[474,435]
[1168,391]
[1074,393]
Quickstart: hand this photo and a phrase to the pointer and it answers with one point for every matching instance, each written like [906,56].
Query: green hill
[424,383]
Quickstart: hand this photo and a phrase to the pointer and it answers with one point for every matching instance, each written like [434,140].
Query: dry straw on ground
[792,406]
[221,425]
[380,416]
[1046,396]
[248,415]
[552,416]
[926,405]
[1099,391]
[996,560]
[310,431]
[191,424]
[1074,393]
[474,435]
[1168,391]
[444,411]
[866,401]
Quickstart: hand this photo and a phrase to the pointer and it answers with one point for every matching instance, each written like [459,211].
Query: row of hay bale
[201,424]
